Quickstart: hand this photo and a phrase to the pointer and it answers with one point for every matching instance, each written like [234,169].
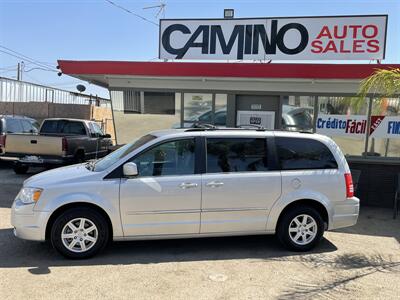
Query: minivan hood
[59,175]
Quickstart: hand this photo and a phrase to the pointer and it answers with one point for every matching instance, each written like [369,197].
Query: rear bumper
[345,213]
[43,160]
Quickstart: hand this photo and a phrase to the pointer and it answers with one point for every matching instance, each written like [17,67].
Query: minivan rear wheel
[79,233]
[300,228]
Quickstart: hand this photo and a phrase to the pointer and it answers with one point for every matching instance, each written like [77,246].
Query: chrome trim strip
[234,209]
[130,213]
[161,212]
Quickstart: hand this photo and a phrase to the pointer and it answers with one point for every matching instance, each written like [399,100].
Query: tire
[99,236]
[80,157]
[306,240]
[20,168]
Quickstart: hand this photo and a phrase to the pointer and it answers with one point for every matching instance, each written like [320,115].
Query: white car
[192,183]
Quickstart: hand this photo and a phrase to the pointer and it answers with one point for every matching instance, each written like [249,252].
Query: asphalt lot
[359,262]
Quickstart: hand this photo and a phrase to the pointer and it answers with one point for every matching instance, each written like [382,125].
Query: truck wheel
[301,228]
[20,168]
[80,157]
[79,233]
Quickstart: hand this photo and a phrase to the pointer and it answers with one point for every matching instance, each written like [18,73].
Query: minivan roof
[230,131]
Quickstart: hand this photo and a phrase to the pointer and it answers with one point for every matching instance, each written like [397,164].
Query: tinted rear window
[300,154]
[13,126]
[63,126]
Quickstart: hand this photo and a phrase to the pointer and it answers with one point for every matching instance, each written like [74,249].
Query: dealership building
[310,97]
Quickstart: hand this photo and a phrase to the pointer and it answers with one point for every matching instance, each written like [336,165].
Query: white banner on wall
[356,126]
[265,119]
[342,125]
[385,126]
[299,38]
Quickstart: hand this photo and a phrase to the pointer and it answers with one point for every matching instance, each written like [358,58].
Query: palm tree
[382,84]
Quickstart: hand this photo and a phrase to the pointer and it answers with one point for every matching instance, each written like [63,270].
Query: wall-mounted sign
[356,126]
[385,126]
[300,38]
[342,125]
[265,119]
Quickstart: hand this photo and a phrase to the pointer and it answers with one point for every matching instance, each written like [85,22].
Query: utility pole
[20,68]
[19,72]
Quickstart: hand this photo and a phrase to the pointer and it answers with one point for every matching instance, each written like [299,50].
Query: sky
[46,30]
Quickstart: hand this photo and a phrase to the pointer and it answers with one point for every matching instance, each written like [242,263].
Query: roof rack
[210,127]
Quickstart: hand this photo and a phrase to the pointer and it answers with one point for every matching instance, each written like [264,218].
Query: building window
[298,113]
[197,108]
[384,135]
[159,103]
[344,119]
[134,119]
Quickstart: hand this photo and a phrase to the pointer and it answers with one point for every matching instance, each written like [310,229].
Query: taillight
[349,185]
[64,144]
[2,140]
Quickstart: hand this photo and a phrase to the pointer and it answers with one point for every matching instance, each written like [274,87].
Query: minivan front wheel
[301,228]
[79,233]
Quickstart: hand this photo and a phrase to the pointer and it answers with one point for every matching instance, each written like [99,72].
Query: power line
[131,12]
[38,68]
[34,60]
[23,58]
[12,67]
[16,54]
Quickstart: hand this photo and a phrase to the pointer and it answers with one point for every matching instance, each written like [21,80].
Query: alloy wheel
[79,235]
[303,229]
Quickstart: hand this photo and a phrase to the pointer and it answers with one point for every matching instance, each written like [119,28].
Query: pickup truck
[59,142]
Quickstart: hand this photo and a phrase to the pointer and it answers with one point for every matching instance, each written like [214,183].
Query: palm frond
[383,83]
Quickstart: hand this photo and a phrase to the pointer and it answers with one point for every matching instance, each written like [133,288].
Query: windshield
[115,156]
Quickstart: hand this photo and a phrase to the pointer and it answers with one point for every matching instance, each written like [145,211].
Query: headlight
[29,195]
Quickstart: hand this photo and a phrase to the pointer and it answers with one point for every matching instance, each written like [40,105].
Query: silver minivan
[183,183]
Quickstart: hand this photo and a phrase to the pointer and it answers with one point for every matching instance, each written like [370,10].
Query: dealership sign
[299,38]
[356,126]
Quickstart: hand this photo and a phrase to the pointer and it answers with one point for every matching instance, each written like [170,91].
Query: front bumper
[28,224]
[345,213]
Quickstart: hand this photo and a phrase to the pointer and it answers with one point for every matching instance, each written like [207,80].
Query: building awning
[171,74]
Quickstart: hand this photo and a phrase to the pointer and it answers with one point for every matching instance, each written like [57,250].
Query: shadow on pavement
[338,286]
[375,221]
[39,257]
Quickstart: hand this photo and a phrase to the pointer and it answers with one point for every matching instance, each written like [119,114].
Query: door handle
[214,184]
[187,185]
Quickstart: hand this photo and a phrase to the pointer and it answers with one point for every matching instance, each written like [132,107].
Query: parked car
[297,118]
[13,124]
[205,118]
[59,142]
[293,118]
[192,183]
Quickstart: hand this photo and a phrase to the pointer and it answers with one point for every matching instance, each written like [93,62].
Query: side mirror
[106,136]
[130,169]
